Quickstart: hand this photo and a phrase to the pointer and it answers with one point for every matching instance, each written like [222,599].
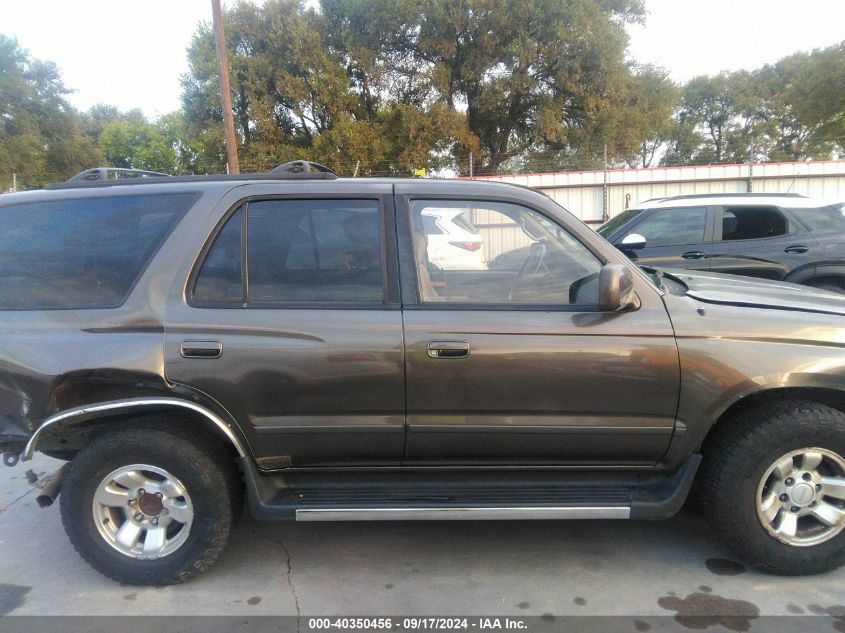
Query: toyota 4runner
[190,343]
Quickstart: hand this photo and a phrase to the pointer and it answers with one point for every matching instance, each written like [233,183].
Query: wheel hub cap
[801,497]
[802,494]
[150,504]
[143,511]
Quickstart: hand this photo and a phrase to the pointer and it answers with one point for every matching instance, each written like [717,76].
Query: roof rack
[114,176]
[302,167]
[108,173]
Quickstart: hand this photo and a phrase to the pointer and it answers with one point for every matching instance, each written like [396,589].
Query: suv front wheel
[773,482]
[147,506]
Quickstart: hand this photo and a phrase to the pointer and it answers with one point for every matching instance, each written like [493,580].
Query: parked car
[190,344]
[785,237]
[453,242]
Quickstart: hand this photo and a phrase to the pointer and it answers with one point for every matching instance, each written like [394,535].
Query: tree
[41,137]
[137,144]
[719,116]
[532,76]
[357,82]
[803,105]
[306,89]
[641,121]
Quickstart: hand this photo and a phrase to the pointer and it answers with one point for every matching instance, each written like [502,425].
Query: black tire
[207,472]
[735,459]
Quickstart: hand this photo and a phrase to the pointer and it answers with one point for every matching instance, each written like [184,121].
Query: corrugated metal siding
[498,233]
[581,192]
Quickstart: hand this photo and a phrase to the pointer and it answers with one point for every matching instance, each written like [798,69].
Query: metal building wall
[581,192]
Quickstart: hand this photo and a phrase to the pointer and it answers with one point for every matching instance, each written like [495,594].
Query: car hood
[758,293]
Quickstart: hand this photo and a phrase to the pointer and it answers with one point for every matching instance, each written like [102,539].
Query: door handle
[202,349]
[448,349]
[797,249]
[693,255]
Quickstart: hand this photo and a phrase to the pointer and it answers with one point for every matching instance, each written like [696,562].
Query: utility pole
[470,165]
[605,212]
[226,93]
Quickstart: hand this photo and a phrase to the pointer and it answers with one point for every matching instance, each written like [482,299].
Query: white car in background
[453,242]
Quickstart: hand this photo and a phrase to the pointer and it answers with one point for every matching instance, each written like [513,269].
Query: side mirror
[616,289]
[632,242]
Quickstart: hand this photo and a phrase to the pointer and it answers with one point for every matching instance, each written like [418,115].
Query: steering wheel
[533,264]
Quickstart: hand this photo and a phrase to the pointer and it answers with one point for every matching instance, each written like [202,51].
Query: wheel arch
[71,428]
[829,396]
[808,274]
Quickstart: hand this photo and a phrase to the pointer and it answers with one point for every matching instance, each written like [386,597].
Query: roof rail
[108,173]
[742,194]
[114,176]
[301,167]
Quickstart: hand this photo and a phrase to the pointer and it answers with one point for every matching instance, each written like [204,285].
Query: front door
[512,363]
[291,321]
[675,238]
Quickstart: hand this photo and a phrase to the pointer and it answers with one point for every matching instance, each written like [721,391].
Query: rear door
[514,364]
[676,238]
[291,320]
[761,241]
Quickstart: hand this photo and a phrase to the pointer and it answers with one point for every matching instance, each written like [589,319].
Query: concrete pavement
[549,569]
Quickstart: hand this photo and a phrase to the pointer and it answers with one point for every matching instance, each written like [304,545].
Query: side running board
[463,513]
[423,495]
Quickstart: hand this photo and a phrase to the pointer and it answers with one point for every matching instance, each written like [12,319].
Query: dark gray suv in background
[784,237]
[286,339]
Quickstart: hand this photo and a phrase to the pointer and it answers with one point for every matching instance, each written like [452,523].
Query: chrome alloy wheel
[801,497]
[143,511]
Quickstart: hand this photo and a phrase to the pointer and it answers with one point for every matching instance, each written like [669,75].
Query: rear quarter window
[829,218]
[81,253]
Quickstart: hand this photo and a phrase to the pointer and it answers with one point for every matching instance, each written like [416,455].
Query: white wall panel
[581,192]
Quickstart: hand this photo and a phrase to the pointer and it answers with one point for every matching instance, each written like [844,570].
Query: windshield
[611,226]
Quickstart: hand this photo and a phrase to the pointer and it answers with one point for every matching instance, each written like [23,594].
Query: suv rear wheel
[773,482]
[146,506]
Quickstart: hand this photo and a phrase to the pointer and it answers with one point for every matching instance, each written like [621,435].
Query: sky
[131,53]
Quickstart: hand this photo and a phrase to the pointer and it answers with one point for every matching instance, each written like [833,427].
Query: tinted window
[297,251]
[83,253]
[829,218]
[220,280]
[523,258]
[750,223]
[673,227]
[315,251]
[607,229]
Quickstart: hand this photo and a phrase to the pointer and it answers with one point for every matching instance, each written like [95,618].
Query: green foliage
[791,110]
[802,109]
[387,86]
[137,144]
[529,76]
[41,136]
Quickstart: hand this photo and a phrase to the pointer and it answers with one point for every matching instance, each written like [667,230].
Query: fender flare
[92,411]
